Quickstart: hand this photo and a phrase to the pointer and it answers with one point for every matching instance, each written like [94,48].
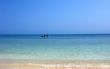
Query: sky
[55,16]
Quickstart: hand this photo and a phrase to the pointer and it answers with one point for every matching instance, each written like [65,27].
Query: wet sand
[55,65]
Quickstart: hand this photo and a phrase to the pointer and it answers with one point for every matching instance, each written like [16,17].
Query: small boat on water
[44,36]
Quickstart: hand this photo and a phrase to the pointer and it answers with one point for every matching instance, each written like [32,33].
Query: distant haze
[54,16]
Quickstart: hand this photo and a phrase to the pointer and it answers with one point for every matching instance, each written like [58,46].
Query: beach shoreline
[55,65]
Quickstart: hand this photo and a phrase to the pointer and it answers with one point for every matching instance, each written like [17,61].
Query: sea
[67,47]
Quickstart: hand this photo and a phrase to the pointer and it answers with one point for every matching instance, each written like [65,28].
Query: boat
[44,36]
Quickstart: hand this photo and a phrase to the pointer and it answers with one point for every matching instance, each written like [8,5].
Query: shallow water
[55,47]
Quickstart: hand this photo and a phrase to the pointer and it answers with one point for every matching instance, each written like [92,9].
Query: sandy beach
[56,65]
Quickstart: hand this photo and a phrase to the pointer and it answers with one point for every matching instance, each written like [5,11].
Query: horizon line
[58,34]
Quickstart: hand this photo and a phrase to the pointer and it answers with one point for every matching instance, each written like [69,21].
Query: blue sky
[54,16]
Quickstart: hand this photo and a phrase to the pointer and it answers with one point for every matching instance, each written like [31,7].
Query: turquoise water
[55,47]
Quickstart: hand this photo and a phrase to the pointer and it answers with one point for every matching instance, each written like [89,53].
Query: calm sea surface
[55,47]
